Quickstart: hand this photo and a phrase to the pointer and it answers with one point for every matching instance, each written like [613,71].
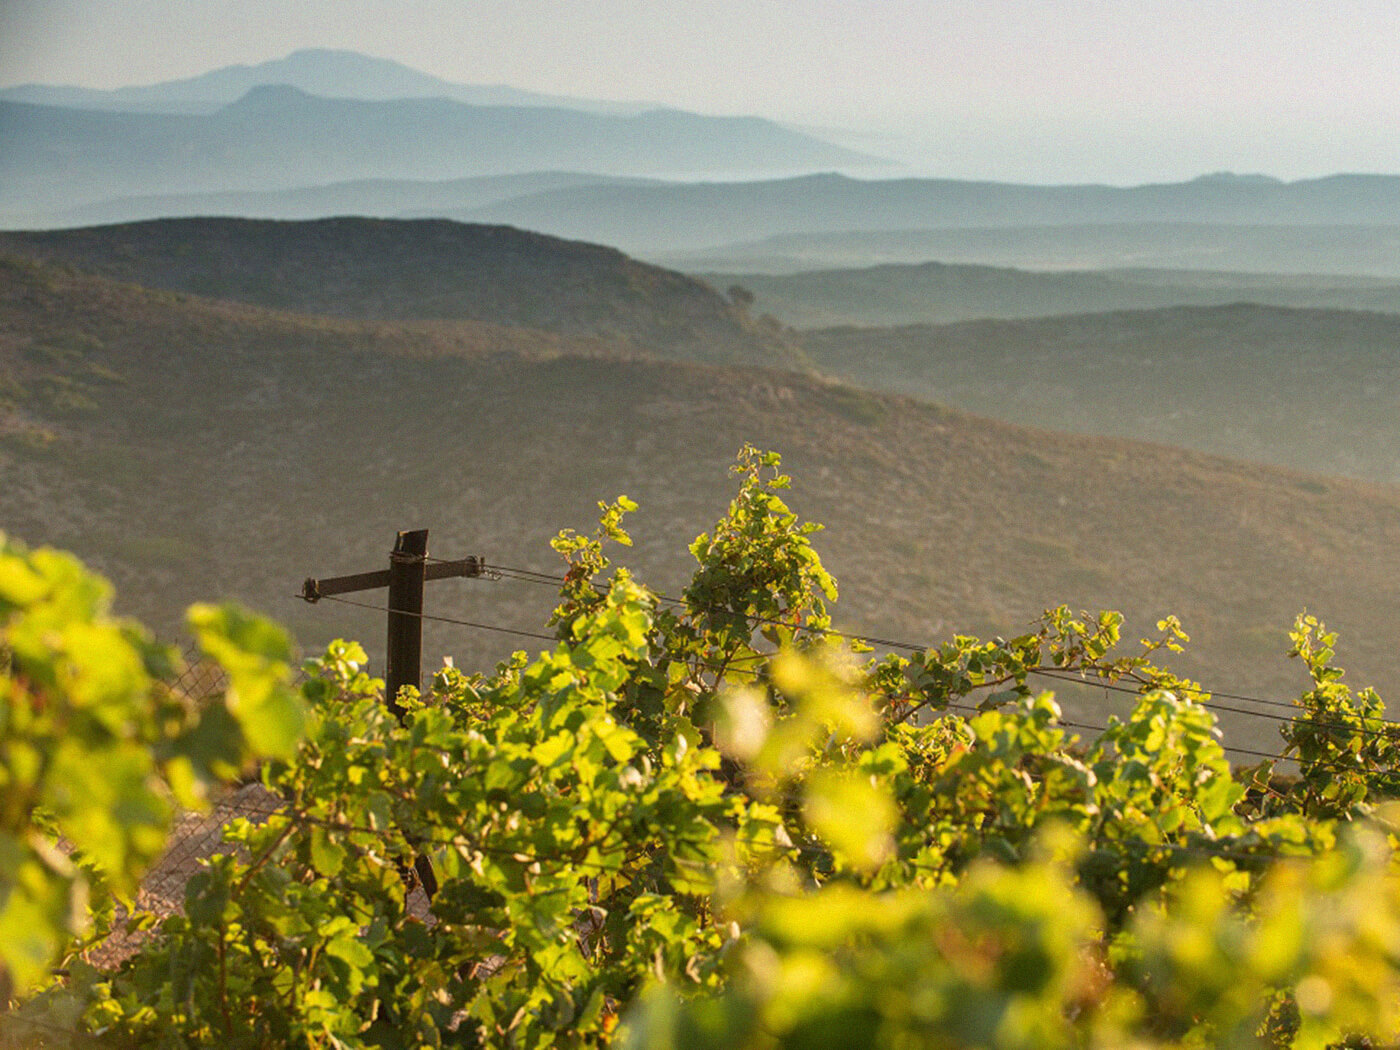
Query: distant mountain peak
[331,52]
[271,95]
[1250,178]
[319,71]
[321,62]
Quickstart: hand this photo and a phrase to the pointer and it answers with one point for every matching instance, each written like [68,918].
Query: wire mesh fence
[200,679]
[197,836]
[194,837]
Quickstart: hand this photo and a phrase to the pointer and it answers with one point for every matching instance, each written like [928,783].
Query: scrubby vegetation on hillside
[422,270]
[245,450]
[1307,389]
[700,822]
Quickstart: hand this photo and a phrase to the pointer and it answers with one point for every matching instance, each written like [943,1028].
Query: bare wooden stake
[404,664]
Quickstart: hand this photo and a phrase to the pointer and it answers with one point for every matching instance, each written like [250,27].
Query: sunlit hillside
[193,449]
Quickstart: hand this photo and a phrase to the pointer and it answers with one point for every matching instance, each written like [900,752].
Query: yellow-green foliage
[708,823]
[96,749]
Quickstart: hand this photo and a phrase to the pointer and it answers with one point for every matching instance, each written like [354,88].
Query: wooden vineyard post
[404,662]
[409,569]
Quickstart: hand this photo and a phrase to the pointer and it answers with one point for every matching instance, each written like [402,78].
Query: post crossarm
[313,590]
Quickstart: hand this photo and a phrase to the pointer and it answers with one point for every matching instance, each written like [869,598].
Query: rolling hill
[691,217]
[422,270]
[939,293]
[1303,249]
[1309,389]
[53,159]
[193,449]
[378,198]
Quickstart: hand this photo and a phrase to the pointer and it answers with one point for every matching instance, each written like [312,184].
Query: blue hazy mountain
[279,137]
[942,293]
[699,216]
[1218,247]
[317,71]
[378,198]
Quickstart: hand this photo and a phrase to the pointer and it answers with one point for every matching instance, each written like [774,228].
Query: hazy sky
[1118,90]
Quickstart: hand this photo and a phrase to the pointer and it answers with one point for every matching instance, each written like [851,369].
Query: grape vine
[711,823]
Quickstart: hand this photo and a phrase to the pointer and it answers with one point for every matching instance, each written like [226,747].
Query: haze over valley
[635,525]
[256,318]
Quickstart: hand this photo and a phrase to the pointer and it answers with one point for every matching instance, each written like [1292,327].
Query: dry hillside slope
[943,293]
[382,269]
[210,451]
[1309,389]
